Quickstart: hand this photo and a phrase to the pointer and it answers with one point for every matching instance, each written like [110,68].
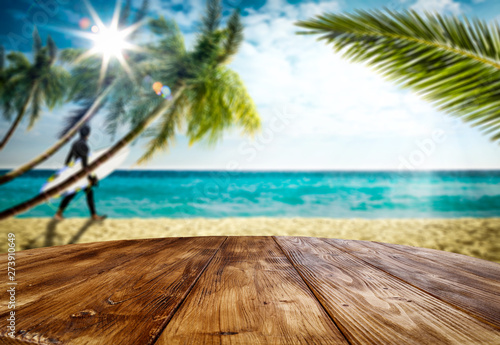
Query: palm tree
[84,83]
[453,63]
[207,99]
[3,72]
[34,85]
[5,95]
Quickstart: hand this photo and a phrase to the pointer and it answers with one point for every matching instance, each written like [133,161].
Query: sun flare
[110,41]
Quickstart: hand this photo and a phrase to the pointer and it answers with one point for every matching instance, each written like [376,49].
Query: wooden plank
[479,296]
[45,270]
[479,267]
[373,307]
[250,294]
[11,341]
[125,304]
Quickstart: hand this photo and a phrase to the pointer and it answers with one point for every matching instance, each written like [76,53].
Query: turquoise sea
[215,194]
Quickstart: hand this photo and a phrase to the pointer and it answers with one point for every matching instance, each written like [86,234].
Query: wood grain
[250,294]
[43,271]
[251,290]
[372,307]
[479,267]
[479,296]
[125,299]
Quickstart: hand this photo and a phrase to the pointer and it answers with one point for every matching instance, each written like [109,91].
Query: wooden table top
[251,290]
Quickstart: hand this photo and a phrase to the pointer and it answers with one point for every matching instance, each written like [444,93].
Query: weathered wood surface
[124,299]
[251,294]
[478,295]
[482,268]
[373,307]
[251,290]
[61,267]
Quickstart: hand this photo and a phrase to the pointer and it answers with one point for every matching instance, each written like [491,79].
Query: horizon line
[288,170]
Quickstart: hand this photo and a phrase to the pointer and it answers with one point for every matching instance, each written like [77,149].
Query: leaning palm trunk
[18,119]
[127,139]
[60,143]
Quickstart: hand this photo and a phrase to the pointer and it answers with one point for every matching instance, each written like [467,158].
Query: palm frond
[2,58]
[11,99]
[18,61]
[77,114]
[220,101]
[55,86]
[85,78]
[164,133]
[7,103]
[115,116]
[125,14]
[17,79]
[143,11]
[37,41]
[4,74]
[119,99]
[52,49]
[207,49]
[141,108]
[171,42]
[234,33]
[36,105]
[70,55]
[212,18]
[453,63]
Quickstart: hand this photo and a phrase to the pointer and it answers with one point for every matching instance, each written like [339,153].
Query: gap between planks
[448,302]
[158,334]
[313,292]
[303,265]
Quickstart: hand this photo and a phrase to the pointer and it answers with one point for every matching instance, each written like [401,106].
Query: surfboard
[101,172]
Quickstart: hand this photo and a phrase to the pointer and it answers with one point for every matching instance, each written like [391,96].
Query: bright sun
[110,42]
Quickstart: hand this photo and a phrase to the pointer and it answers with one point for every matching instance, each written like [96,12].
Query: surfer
[80,149]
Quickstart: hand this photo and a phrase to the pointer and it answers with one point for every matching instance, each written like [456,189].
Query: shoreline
[477,237]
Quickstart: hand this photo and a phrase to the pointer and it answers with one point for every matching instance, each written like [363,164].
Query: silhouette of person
[80,149]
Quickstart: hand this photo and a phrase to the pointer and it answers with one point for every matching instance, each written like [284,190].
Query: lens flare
[95,29]
[84,23]
[162,90]
[165,91]
[157,87]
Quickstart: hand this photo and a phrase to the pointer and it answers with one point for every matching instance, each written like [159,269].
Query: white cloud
[332,96]
[303,10]
[192,10]
[346,115]
[438,5]
[342,110]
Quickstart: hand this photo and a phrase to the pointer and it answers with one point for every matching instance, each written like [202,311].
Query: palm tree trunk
[50,151]
[18,119]
[127,139]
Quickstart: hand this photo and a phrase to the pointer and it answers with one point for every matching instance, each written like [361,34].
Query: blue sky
[319,111]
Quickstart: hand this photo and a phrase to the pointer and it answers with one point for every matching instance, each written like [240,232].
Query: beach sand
[470,236]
